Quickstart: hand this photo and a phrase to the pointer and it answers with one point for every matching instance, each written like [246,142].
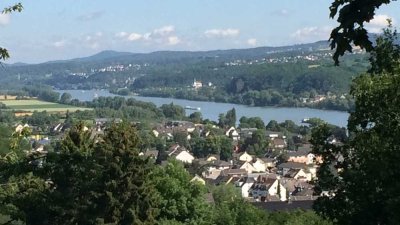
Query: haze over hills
[115,56]
[255,76]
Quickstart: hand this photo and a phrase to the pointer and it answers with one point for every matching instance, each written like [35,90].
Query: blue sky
[63,29]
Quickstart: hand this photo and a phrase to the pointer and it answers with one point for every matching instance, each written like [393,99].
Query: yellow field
[11,103]
[38,105]
[5,97]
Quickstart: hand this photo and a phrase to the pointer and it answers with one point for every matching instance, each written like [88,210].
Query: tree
[14,8]
[352,16]
[232,209]
[257,144]
[231,117]
[181,137]
[100,180]
[228,119]
[173,111]
[125,192]
[273,125]
[196,117]
[358,175]
[180,199]
[385,57]
[251,122]
[66,98]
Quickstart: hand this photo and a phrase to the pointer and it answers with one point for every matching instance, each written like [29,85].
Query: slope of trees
[103,180]
[359,175]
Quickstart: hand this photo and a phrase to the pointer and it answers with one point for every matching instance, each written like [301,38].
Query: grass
[38,105]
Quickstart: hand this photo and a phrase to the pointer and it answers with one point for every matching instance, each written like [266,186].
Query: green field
[38,105]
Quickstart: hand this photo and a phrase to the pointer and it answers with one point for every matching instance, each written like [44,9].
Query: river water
[211,110]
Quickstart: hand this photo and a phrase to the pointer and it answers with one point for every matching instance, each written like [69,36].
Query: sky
[63,29]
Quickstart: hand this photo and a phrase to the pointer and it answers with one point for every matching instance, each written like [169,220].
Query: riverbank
[211,110]
[253,98]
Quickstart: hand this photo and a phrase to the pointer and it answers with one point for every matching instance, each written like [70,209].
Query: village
[276,175]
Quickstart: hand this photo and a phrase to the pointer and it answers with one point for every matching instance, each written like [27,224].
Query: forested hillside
[278,76]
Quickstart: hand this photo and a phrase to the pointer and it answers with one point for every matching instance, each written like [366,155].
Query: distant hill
[283,68]
[110,56]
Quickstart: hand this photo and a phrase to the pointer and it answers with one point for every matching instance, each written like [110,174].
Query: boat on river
[193,108]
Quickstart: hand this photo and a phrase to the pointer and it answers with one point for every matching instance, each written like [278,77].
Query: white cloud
[59,44]
[93,41]
[121,34]
[90,16]
[4,19]
[163,31]
[173,40]
[94,45]
[221,33]
[252,42]
[134,37]
[307,34]
[157,34]
[163,36]
[378,23]
[147,36]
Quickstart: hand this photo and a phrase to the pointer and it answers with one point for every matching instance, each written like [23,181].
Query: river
[211,110]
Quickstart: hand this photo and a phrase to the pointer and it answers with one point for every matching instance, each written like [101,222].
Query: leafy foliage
[14,8]
[181,200]
[351,15]
[358,175]
[86,182]
[228,119]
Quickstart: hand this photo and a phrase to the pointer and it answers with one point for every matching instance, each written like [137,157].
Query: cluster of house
[198,84]
[320,98]
[110,68]
[259,179]
[37,140]
[167,130]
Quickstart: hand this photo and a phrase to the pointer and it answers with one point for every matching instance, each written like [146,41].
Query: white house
[268,186]
[245,183]
[232,133]
[197,84]
[248,167]
[299,174]
[245,157]
[184,156]
[269,162]
[259,165]
[181,154]
[20,127]
[211,158]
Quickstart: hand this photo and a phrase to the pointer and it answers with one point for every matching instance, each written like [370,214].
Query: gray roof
[297,153]
[234,172]
[268,160]
[221,163]
[292,165]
